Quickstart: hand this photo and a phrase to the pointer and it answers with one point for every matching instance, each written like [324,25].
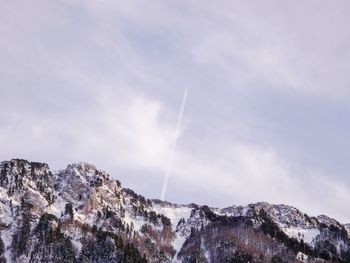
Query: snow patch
[6,238]
[302,257]
[178,243]
[173,213]
[308,235]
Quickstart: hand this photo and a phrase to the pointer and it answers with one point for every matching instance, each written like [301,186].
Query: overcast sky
[267,112]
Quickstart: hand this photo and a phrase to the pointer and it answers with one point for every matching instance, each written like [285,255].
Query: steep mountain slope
[81,214]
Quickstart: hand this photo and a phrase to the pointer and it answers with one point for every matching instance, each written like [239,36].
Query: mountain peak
[16,162]
[59,216]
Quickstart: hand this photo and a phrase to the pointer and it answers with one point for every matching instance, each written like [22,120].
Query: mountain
[81,214]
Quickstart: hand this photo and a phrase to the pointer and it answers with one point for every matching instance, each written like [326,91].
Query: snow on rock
[293,222]
[6,237]
[35,199]
[234,211]
[58,207]
[327,220]
[302,257]
[347,228]
[286,216]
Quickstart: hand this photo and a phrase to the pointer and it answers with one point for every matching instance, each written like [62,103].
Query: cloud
[246,173]
[101,81]
[126,129]
[127,132]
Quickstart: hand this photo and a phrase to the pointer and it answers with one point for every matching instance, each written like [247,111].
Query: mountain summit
[81,214]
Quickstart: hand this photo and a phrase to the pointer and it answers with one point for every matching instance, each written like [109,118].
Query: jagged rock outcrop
[81,214]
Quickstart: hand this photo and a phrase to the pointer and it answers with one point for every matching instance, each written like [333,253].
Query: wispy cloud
[99,81]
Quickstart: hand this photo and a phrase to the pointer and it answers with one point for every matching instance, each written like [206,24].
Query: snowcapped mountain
[81,214]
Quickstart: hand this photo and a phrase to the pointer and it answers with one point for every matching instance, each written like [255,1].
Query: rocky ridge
[81,214]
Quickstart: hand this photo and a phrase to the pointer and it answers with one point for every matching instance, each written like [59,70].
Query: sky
[267,111]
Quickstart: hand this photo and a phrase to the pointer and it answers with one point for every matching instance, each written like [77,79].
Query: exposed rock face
[81,214]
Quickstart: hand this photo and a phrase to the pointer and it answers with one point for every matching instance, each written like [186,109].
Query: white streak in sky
[173,146]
